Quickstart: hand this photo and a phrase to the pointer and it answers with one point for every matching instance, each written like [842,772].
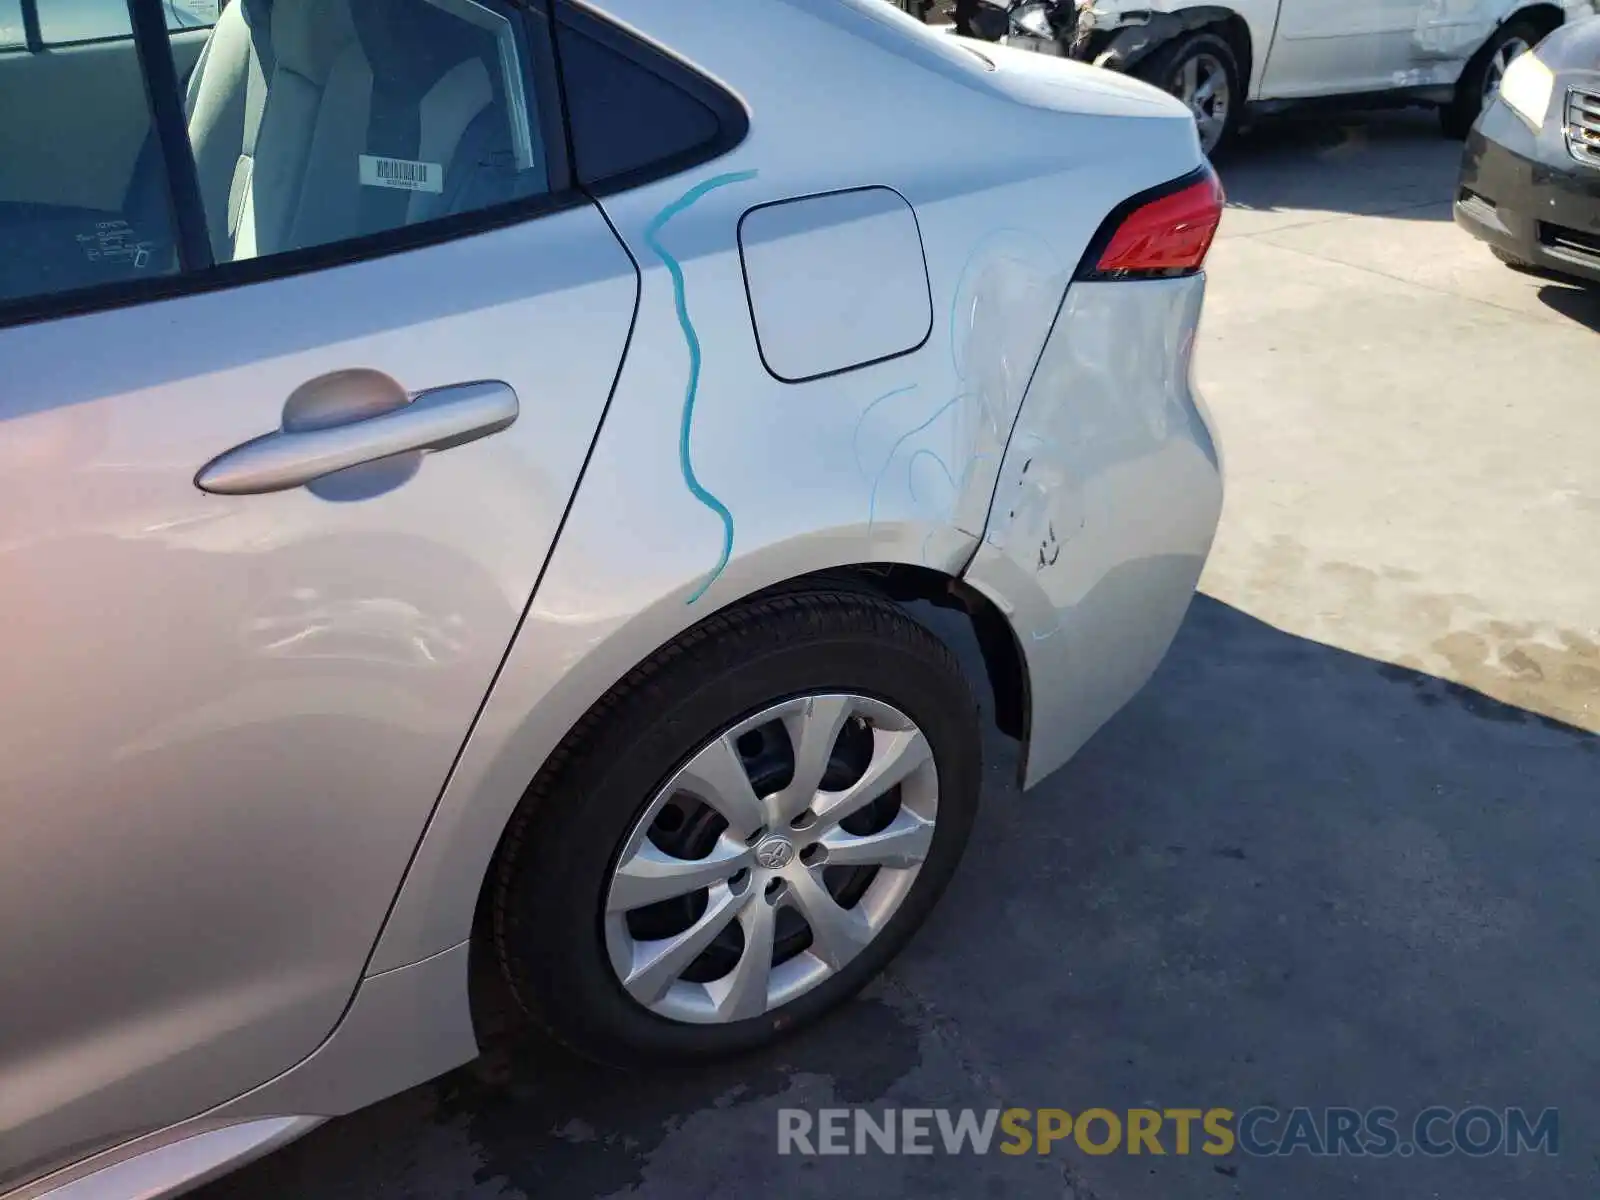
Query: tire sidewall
[1161,66]
[1458,117]
[589,818]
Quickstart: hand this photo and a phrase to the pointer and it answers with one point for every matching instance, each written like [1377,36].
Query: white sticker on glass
[402,173]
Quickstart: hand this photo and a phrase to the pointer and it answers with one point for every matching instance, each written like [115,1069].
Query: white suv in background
[1225,59]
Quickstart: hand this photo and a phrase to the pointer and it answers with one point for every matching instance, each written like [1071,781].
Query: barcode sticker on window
[402,173]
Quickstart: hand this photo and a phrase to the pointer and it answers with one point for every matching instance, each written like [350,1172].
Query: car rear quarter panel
[712,479]
[1108,502]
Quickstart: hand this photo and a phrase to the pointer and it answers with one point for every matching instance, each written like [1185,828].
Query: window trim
[32,39]
[33,32]
[190,280]
[505,40]
[733,118]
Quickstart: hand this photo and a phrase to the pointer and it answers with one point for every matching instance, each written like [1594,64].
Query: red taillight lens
[1170,235]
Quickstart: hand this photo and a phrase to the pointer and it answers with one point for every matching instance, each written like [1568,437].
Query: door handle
[293,457]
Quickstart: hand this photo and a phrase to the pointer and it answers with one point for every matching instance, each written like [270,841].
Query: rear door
[237,677]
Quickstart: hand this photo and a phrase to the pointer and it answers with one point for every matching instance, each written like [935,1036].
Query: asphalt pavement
[1342,852]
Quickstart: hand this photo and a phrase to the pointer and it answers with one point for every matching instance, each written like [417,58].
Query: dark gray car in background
[1530,178]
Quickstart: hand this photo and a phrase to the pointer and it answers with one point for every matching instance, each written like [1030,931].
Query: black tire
[1457,118]
[1163,67]
[558,854]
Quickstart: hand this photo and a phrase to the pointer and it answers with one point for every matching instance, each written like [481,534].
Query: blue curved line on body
[855,438]
[911,472]
[994,235]
[973,460]
[872,503]
[652,236]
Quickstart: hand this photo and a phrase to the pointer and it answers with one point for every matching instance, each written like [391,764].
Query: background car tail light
[1162,235]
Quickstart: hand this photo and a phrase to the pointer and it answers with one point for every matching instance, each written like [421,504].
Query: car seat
[293,102]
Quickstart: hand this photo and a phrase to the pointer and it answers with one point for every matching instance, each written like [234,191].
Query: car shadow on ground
[1577,302]
[1337,161]
[1286,874]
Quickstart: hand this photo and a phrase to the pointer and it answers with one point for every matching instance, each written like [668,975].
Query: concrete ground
[1342,851]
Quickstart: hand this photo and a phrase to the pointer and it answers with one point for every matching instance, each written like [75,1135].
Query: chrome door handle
[291,458]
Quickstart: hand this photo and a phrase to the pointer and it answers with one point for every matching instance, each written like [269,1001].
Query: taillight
[1159,235]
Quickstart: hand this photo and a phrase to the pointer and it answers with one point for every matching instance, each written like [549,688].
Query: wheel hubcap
[771,859]
[775,853]
[1201,82]
[1499,62]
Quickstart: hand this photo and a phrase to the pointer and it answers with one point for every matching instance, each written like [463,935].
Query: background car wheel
[1202,71]
[742,834]
[1481,78]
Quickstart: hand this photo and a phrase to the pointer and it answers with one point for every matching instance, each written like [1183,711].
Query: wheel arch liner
[1131,45]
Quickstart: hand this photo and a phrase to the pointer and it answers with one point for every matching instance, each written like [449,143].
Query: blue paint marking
[872,503]
[652,236]
[972,461]
[978,247]
[855,438]
[912,474]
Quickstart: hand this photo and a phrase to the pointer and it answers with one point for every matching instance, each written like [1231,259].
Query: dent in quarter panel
[1106,507]
[835,281]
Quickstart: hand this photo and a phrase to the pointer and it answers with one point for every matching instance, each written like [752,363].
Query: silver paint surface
[835,282]
[226,719]
[230,719]
[894,463]
[1107,506]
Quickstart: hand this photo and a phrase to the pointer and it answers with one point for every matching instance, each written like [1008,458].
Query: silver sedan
[464,468]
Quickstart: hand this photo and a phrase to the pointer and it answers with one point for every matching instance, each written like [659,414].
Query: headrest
[309,35]
[415,42]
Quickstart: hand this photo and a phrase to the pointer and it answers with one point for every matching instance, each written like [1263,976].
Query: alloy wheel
[771,859]
[1201,82]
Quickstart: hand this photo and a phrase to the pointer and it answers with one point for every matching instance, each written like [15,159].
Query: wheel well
[1129,46]
[1004,665]
[1548,17]
[1236,31]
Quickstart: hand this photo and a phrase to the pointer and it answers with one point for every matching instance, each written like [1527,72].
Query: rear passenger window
[83,200]
[309,123]
[79,22]
[635,113]
[321,121]
[75,22]
[13,34]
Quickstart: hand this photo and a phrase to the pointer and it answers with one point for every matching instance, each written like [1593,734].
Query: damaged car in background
[1228,61]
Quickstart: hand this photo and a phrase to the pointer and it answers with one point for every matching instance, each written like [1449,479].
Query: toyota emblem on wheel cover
[775,853]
